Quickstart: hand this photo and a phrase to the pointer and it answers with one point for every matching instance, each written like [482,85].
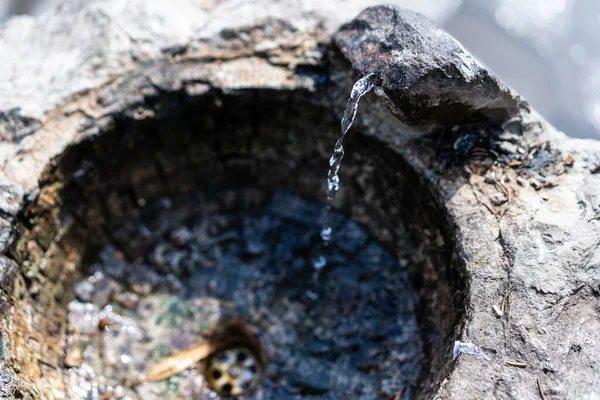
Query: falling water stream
[360,88]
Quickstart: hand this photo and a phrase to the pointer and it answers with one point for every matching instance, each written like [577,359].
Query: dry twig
[518,364]
[178,362]
[480,195]
[505,299]
[106,395]
[539,382]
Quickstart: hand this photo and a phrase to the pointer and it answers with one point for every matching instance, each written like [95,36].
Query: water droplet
[319,262]
[326,234]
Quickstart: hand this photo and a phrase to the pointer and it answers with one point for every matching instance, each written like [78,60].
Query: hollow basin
[147,235]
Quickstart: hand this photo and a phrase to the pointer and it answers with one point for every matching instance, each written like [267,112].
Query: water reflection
[546,49]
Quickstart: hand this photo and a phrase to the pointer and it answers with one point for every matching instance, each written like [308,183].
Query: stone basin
[481,216]
[108,204]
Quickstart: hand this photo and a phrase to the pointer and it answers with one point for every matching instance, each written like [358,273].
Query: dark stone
[8,271]
[14,126]
[428,80]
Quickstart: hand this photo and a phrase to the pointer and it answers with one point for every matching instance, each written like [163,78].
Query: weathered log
[501,205]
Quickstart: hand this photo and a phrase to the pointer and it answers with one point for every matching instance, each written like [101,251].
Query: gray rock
[428,80]
[534,257]
[14,127]
[10,196]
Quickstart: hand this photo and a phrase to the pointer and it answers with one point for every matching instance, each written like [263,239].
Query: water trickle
[360,88]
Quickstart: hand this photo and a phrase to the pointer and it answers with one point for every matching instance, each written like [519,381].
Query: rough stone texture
[530,249]
[428,79]
[522,223]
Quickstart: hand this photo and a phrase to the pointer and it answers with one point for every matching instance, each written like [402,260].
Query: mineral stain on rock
[358,339]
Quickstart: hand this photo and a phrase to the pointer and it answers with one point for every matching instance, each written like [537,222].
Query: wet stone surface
[348,332]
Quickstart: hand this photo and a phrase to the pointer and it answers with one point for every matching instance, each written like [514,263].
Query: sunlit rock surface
[520,225]
[428,80]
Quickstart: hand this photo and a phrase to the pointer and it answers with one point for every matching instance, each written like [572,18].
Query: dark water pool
[348,332]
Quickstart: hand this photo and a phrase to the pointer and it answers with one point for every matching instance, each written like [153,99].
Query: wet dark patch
[347,332]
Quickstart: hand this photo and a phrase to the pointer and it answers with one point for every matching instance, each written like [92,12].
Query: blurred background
[548,50]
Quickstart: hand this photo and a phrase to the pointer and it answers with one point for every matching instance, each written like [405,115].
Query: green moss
[172,390]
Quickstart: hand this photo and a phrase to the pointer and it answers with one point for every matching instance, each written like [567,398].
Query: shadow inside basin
[349,332]
[133,184]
